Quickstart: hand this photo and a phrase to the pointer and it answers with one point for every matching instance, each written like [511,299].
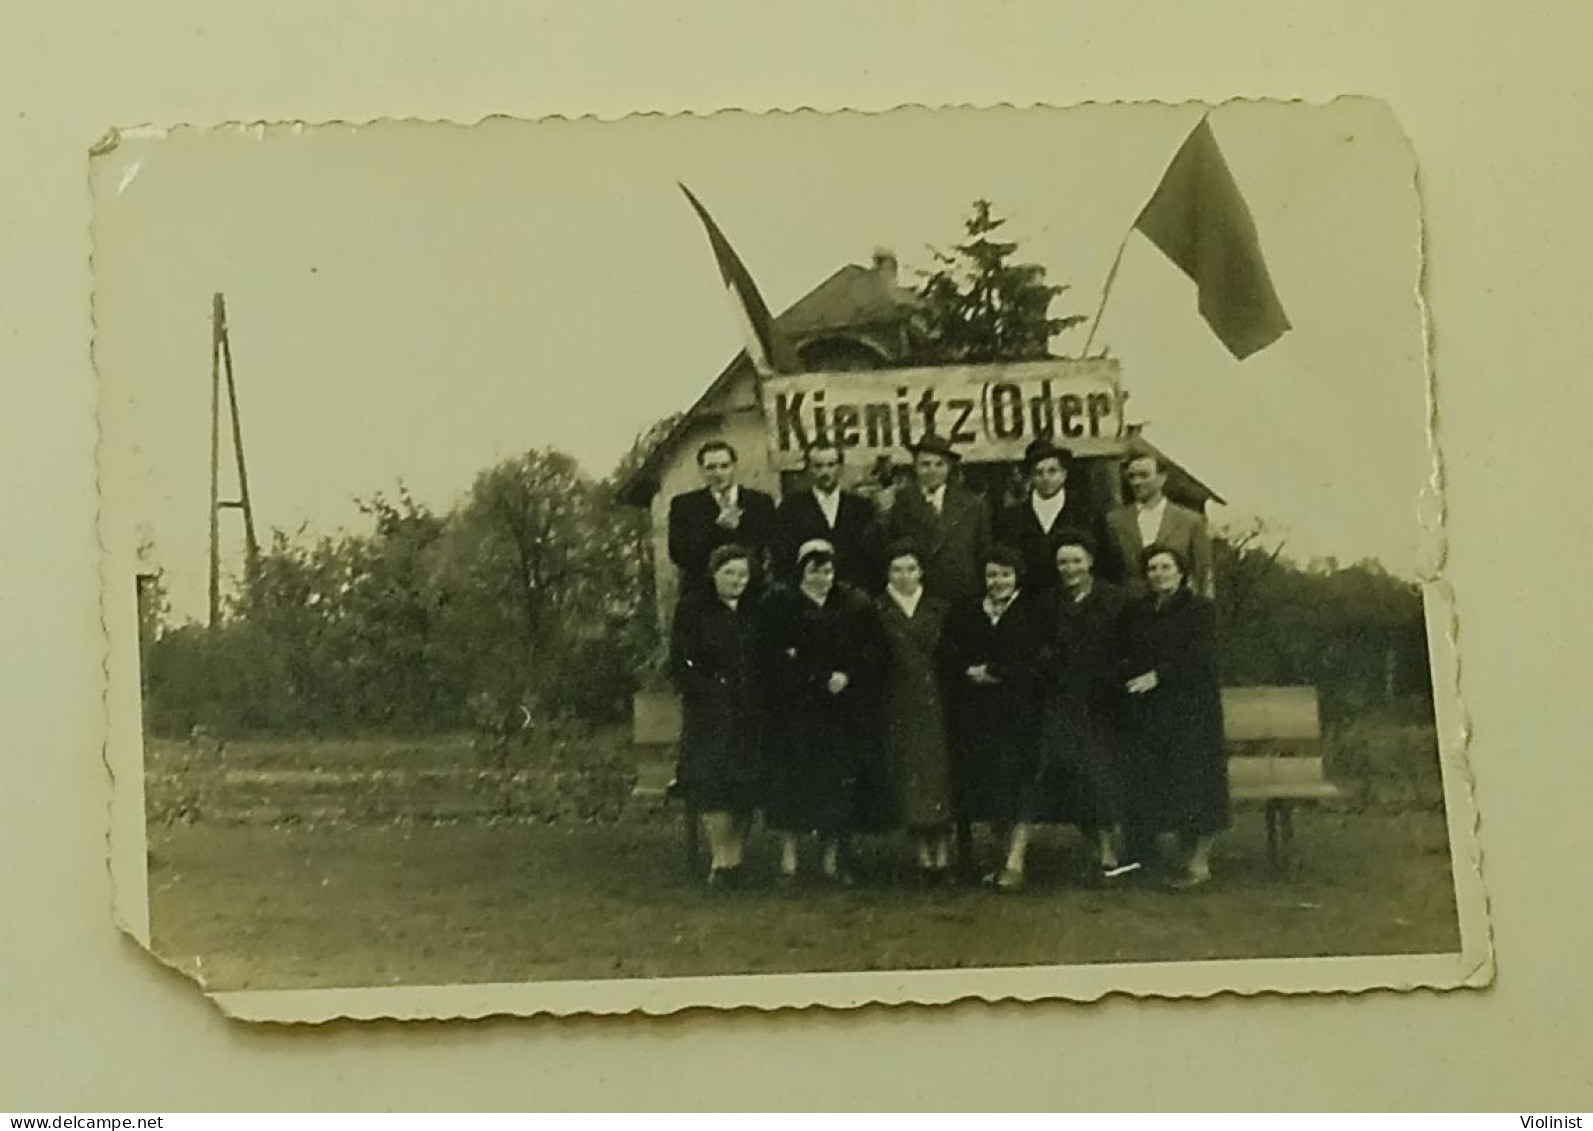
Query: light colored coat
[1182,529]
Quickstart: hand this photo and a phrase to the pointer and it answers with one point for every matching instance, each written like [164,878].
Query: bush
[1357,633]
[535,591]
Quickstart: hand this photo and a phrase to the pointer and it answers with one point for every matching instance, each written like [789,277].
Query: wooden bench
[656,725]
[655,731]
[1274,736]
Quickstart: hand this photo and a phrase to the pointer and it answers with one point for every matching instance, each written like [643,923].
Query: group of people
[854,670]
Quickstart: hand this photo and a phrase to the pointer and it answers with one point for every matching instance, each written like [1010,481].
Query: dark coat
[1176,767]
[820,743]
[1020,529]
[714,659]
[913,710]
[1081,690]
[996,726]
[953,542]
[853,536]
[694,534]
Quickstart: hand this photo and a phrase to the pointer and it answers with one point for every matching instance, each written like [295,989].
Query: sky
[416,301]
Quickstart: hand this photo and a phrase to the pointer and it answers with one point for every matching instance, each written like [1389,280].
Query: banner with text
[988,413]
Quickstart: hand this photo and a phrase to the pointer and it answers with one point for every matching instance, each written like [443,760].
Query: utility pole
[221,364]
[217,324]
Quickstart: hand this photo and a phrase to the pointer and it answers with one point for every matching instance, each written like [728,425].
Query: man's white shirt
[1150,520]
[1047,510]
[829,504]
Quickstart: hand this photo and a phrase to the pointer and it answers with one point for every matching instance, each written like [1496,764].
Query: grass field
[256,906]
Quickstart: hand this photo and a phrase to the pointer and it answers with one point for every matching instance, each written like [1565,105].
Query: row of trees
[1357,633]
[536,590]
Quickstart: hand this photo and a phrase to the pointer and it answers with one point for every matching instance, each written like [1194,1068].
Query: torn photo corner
[778,560]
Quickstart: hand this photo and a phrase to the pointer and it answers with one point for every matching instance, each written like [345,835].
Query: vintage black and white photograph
[779,560]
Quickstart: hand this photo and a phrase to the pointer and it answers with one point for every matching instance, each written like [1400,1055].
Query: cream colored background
[1498,111]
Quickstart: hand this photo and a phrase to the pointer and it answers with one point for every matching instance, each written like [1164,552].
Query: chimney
[885,264]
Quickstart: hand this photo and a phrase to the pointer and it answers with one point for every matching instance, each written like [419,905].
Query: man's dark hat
[934,445]
[1043,447]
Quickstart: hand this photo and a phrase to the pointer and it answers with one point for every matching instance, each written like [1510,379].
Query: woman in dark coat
[916,738]
[1078,778]
[1177,769]
[995,645]
[821,639]
[714,657]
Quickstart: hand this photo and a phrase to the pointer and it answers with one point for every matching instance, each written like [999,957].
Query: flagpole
[1111,277]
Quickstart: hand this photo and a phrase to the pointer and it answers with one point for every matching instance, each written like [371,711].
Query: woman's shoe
[1190,880]
[1008,881]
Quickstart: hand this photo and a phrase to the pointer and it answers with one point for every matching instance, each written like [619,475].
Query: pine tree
[979,307]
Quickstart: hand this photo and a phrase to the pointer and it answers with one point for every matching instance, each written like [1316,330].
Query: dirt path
[263,908]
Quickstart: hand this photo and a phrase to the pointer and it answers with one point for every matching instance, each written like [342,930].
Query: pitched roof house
[859,318]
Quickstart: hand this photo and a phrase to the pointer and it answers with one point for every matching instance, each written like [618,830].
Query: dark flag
[1200,221]
[769,350]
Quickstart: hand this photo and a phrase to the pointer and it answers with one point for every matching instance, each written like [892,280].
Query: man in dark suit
[844,519]
[717,514]
[1034,526]
[950,525]
[1152,518]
